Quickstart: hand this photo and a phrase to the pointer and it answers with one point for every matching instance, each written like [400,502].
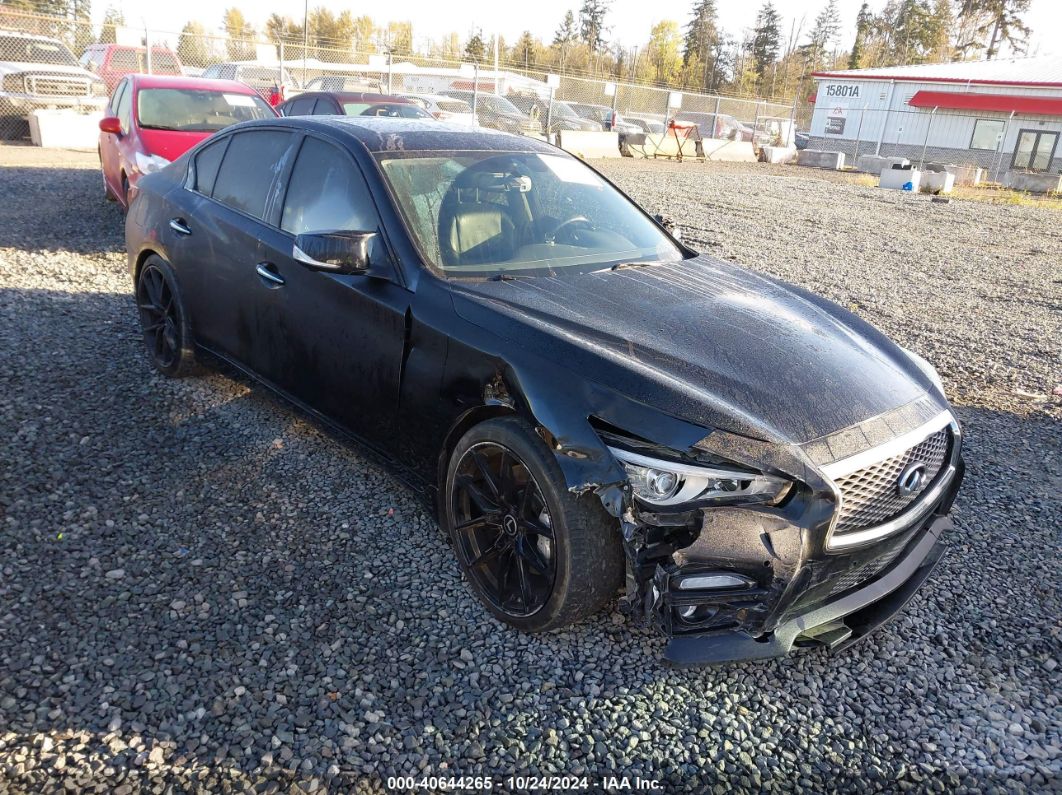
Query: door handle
[179,226]
[265,270]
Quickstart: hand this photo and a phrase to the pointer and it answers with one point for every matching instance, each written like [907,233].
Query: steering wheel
[570,225]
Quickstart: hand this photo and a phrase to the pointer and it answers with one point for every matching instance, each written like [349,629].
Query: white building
[1001,115]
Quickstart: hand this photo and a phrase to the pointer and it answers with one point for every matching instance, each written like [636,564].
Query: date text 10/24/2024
[523,783]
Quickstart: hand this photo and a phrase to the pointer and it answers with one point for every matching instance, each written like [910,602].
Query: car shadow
[59,209]
[191,565]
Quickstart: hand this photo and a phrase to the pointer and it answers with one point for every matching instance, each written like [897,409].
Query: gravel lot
[202,590]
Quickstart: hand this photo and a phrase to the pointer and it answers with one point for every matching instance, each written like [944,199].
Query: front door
[1035,150]
[332,341]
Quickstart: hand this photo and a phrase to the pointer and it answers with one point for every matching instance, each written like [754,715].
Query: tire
[567,547]
[125,192]
[163,320]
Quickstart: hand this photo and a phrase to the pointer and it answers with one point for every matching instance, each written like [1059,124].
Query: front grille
[57,86]
[864,573]
[870,496]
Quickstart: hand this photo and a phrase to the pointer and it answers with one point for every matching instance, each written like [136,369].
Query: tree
[864,23]
[81,11]
[525,51]
[475,47]
[112,20]
[663,52]
[400,36]
[567,33]
[592,24]
[766,39]
[999,20]
[241,34]
[192,46]
[823,36]
[362,33]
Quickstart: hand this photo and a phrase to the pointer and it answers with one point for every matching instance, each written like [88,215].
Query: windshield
[196,110]
[481,214]
[26,50]
[563,111]
[390,109]
[499,104]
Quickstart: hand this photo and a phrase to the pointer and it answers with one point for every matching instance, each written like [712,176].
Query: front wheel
[538,556]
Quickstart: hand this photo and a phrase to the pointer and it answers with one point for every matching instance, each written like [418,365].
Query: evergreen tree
[475,48]
[592,23]
[192,46]
[240,32]
[766,39]
[112,20]
[702,32]
[567,33]
[998,20]
[525,51]
[864,24]
[823,36]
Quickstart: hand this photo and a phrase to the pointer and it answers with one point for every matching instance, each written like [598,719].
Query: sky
[630,20]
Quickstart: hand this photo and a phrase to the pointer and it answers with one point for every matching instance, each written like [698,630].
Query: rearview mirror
[338,252]
[111,124]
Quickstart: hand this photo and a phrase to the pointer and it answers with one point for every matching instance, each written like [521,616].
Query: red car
[112,62]
[153,119]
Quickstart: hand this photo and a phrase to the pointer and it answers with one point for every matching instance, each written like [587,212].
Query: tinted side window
[116,98]
[247,169]
[303,106]
[207,163]
[326,193]
[325,107]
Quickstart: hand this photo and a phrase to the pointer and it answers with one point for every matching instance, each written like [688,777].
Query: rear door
[333,341]
[109,142]
[216,233]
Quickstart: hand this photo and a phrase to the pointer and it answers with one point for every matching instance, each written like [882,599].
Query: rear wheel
[125,191]
[536,555]
[167,336]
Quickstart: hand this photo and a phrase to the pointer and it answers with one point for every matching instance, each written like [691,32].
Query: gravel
[202,590]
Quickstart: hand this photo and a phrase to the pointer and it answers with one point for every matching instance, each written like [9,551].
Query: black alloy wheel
[162,319]
[503,529]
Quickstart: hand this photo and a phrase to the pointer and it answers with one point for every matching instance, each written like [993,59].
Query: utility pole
[305,36]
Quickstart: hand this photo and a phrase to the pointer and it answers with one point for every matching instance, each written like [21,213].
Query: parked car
[112,62]
[497,112]
[266,79]
[342,83]
[587,402]
[37,73]
[561,116]
[445,108]
[647,124]
[606,117]
[718,125]
[351,103]
[802,139]
[154,119]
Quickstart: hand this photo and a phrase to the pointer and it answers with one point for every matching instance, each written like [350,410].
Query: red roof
[1003,103]
[202,83]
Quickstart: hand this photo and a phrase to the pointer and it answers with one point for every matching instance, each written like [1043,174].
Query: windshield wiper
[507,277]
[622,265]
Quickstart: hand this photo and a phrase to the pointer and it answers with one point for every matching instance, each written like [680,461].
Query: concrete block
[589,145]
[1033,181]
[816,159]
[938,181]
[64,129]
[875,164]
[729,151]
[897,178]
[779,154]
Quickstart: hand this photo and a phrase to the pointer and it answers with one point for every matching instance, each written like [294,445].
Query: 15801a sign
[842,90]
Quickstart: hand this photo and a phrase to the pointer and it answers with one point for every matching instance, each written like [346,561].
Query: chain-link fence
[983,147]
[64,64]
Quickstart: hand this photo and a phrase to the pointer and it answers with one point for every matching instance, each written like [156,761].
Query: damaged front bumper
[742,583]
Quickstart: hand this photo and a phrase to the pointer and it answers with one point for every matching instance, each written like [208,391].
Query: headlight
[148,164]
[662,483]
[927,368]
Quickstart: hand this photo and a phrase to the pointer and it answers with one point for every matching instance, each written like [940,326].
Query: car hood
[705,341]
[170,144]
[18,67]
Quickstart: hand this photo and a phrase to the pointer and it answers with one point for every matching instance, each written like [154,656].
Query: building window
[986,134]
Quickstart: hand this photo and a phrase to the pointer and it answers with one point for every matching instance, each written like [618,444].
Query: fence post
[475,88]
[715,117]
[549,112]
[885,123]
[147,47]
[925,143]
[792,125]
[1002,146]
[280,68]
[756,124]
[389,59]
[859,134]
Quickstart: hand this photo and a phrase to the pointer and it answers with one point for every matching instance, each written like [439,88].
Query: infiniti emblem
[509,524]
[911,479]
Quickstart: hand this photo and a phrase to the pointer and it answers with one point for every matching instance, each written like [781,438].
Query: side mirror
[111,124]
[337,252]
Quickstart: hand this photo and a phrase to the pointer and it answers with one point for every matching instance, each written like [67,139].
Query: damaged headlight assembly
[660,483]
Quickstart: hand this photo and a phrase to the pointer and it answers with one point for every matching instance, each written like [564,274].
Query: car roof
[33,36]
[379,134]
[354,96]
[180,81]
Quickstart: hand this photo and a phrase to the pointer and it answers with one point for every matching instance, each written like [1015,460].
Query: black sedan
[590,406]
[351,103]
